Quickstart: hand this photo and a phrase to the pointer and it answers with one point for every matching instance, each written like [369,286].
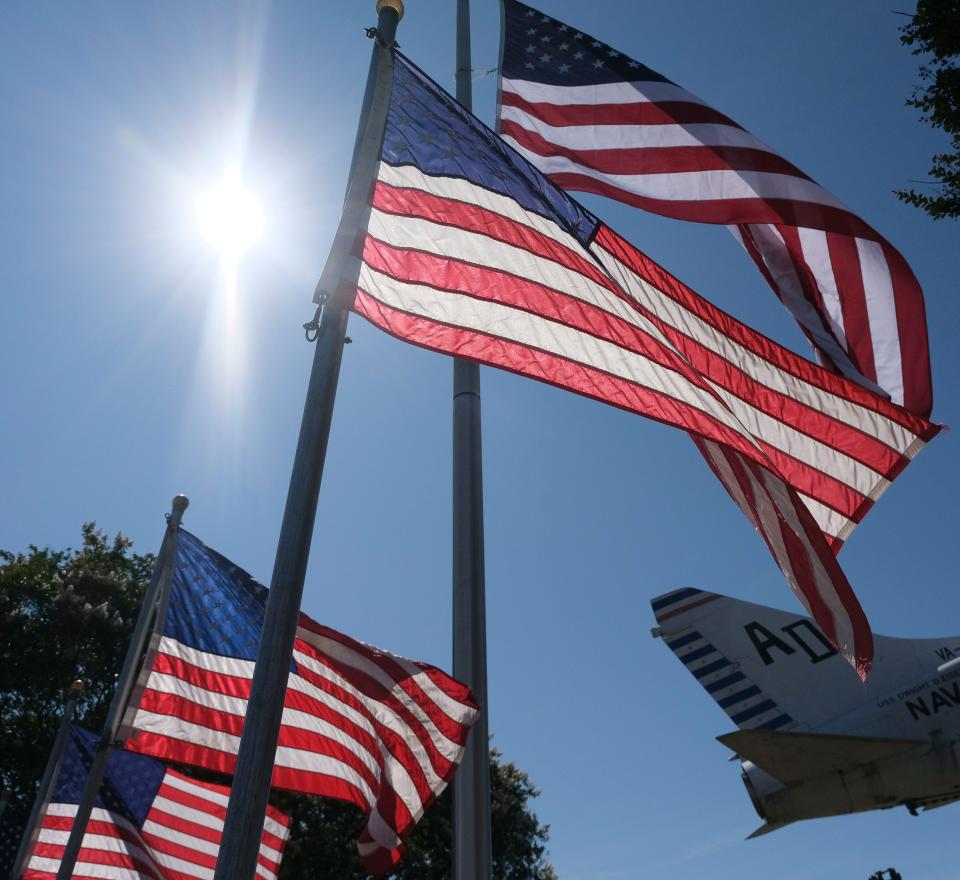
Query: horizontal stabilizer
[766,828]
[792,757]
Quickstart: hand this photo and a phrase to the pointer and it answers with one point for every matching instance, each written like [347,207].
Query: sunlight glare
[229,216]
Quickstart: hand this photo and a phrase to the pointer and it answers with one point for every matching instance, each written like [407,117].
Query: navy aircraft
[812,739]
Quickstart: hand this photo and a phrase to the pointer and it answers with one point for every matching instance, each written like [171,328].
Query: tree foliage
[68,614]
[934,30]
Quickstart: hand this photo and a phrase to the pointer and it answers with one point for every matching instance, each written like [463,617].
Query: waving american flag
[470,250]
[359,724]
[597,121]
[149,822]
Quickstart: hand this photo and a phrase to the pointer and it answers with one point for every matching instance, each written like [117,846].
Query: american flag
[10,834]
[359,724]
[469,250]
[149,822]
[596,121]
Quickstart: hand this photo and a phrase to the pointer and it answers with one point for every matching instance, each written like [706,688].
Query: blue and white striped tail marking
[746,704]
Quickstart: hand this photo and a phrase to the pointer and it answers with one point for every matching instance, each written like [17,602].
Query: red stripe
[546,367]
[862,634]
[726,211]
[655,160]
[912,327]
[756,342]
[690,112]
[845,260]
[453,729]
[441,273]
[178,751]
[494,285]
[463,215]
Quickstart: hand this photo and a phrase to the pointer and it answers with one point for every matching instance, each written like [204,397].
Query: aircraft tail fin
[775,670]
[691,624]
[792,757]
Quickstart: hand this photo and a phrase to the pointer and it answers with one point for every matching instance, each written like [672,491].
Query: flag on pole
[149,822]
[596,121]
[469,250]
[359,724]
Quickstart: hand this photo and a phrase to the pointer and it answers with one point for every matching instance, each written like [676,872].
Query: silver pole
[472,858]
[243,829]
[32,831]
[159,585]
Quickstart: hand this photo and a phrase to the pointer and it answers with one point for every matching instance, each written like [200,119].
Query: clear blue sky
[128,377]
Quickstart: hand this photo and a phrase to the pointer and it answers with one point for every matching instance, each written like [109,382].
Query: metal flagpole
[471,786]
[243,828]
[154,596]
[31,832]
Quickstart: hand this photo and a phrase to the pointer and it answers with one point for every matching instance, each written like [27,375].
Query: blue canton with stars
[215,606]
[541,49]
[427,128]
[130,783]
[10,834]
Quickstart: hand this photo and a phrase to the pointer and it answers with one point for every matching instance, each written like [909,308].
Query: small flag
[10,836]
[596,121]
[149,822]
[359,724]
[470,251]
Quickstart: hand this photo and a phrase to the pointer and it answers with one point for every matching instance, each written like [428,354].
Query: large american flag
[149,822]
[359,724]
[596,121]
[469,250]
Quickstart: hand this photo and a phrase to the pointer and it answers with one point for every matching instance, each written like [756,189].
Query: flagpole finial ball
[180,503]
[77,688]
[396,5]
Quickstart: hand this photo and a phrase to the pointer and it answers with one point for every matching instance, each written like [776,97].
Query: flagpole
[154,596]
[243,828]
[32,831]
[472,858]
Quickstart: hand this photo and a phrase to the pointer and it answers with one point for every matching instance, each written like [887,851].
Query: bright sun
[229,216]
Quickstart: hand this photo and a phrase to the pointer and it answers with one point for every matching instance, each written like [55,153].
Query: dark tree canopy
[934,31]
[68,614]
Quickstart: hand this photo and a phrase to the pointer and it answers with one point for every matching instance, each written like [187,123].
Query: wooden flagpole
[471,786]
[243,829]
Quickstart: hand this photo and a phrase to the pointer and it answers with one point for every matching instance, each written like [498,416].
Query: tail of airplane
[774,670]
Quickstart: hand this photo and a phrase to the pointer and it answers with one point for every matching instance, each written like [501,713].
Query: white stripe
[176,863]
[666,308]
[602,93]
[831,522]
[730,481]
[292,718]
[181,783]
[624,136]
[716,185]
[389,719]
[210,662]
[86,869]
[454,243]
[882,315]
[756,367]
[344,654]
[816,254]
[533,331]
[842,623]
[294,759]
[187,814]
[409,177]
[773,250]
[383,834]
